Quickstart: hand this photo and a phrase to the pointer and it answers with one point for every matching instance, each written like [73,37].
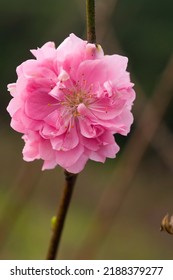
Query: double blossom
[69,102]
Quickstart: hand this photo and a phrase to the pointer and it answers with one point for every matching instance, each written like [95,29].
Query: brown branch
[90,21]
[70,180]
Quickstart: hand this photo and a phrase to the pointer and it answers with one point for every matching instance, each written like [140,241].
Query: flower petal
[79,165]
[69,158]
[110,67]
[39,105]
[67,141]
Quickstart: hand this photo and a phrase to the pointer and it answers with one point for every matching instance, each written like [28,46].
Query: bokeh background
[118,206]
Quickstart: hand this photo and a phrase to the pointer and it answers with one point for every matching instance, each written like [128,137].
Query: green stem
[70,180]
[90,18]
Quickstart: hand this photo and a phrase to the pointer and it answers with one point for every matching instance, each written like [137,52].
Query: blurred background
[118,206]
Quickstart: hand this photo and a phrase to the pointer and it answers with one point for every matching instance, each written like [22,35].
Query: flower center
[73,99]
[72,95]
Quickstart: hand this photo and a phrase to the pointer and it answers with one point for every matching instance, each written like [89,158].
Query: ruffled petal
[101,70]
[106,151]
[79,165]
[69,158]
[46,51]
[68,141]
[31,148]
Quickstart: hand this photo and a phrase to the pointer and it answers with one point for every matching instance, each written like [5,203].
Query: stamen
[73,94]
[54,104]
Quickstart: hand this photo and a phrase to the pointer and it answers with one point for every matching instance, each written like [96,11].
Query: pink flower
[69,102]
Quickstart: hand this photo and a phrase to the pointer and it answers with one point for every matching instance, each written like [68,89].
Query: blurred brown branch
[113,196]
[148,123]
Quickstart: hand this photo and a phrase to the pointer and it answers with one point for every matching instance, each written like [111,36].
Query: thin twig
[90,18]
[70,180]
